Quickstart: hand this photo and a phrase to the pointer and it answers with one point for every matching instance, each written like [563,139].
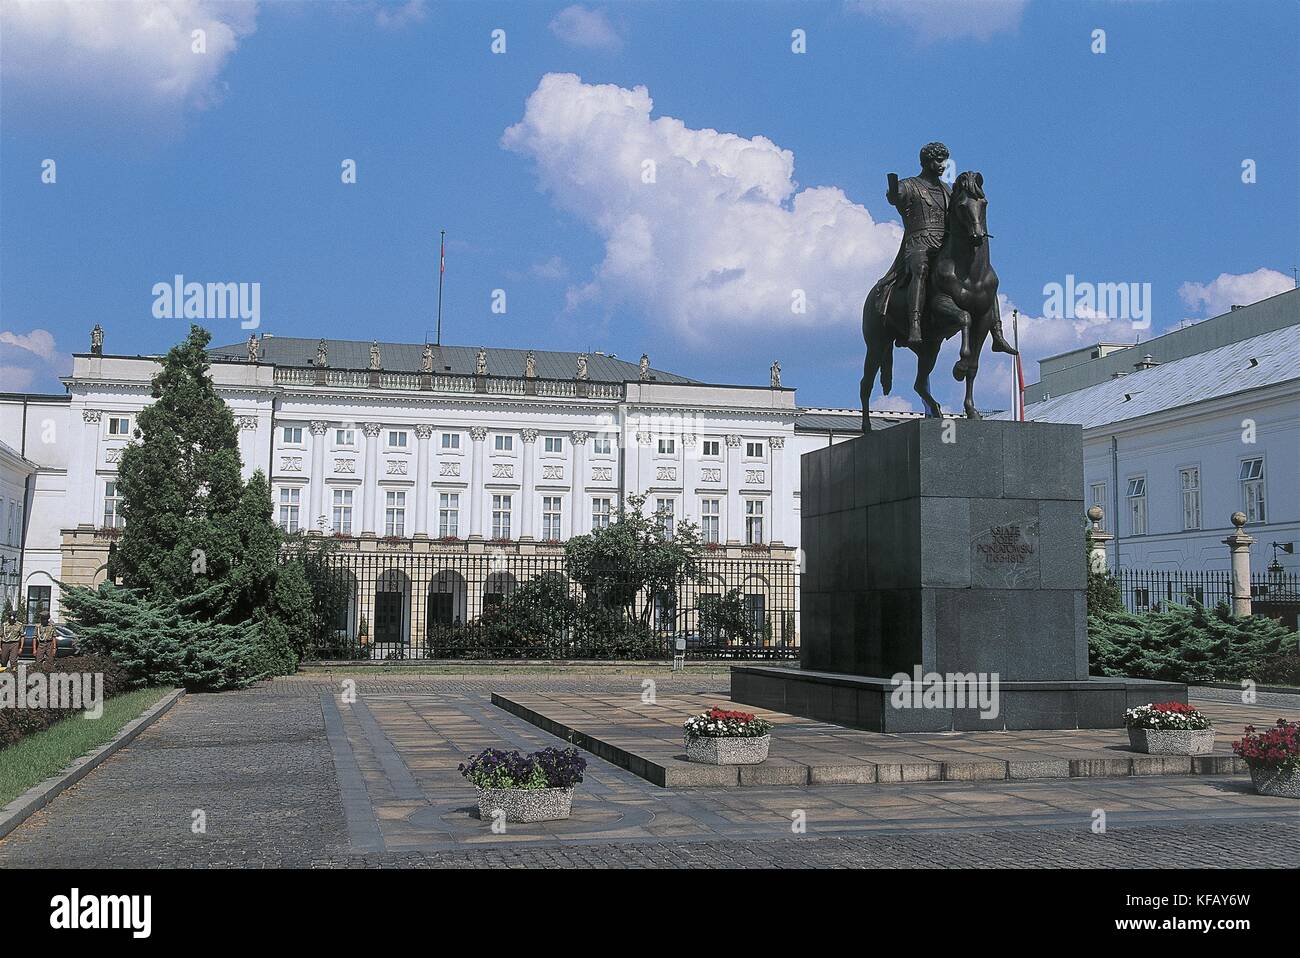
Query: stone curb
[780,771]
[42,793]
[471,664]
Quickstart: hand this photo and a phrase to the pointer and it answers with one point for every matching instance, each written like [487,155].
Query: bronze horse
[961,297]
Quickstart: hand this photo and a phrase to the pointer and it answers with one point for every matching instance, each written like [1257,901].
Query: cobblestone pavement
[290,774]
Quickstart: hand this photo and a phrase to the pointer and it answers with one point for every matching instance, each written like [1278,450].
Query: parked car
[69,643]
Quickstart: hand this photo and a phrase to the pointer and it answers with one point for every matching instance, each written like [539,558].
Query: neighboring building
[1186,429]
[15,480]
[449,473]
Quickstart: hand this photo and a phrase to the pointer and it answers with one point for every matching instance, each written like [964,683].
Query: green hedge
[1191,644]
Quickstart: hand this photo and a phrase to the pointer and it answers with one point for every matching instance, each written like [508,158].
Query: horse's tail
[875,333]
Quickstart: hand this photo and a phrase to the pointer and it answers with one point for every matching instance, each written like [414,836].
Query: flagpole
[1015,407]
[1020,392]
[442,268]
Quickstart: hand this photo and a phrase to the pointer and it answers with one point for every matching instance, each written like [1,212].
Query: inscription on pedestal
[1005,555]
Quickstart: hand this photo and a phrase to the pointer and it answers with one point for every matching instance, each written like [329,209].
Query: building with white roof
[1184,430]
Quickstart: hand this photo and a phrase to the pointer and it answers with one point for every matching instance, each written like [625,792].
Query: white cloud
[553,268]
[26,356]
[395,13]
[1233,289]
[722,236]
[946,19]
[38,341]
[893,403]
[588,29]
[136,54]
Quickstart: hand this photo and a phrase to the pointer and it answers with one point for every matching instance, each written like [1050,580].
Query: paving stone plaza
[290,773]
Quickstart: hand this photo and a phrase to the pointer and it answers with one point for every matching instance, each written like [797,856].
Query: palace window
[112,506]
[395,513]
[551,517]
[1137,506]
[754,522]
[664,514]
[448,514]
[119,426]
[600,446]
[1097,497]
[753,450]
[342,503]
[1189,481]
[503,443]
[1252,489]
[667,447]
[451,440]
[713,448]
[38,602]
[345,437]
[290,503]
[600,509]
[291,435]
[711,520]
[553,444]
[397,439]
[500,517]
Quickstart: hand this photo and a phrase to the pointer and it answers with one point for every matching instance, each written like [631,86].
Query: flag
[442,256]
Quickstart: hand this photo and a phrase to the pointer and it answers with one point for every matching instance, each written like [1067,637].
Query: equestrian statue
[940,284]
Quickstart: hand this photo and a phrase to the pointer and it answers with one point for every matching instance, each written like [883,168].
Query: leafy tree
[724,617]
[538,613]
[180,483]
[632,556]
[205,597]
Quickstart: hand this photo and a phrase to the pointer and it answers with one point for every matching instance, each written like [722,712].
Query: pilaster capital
[318,427]
[90,415]
[528,435]
[478,433]
[371,429]
[423,431]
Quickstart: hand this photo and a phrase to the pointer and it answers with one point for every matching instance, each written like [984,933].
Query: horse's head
[967,206]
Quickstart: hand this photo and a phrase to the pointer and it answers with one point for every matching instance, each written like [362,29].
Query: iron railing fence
[1153,589]
[405,604]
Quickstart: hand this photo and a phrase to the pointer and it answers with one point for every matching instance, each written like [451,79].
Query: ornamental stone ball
[1095,514]
[1239,519]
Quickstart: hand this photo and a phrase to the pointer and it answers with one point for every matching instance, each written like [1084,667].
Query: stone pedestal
[949,547]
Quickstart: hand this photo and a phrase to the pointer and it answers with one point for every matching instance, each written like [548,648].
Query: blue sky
[1124,166]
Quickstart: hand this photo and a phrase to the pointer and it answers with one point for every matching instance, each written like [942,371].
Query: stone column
[248,446]
[89,479]
[317,495]
[735,508]
[1097,541]
[1239,544]
[370,505]
[527,522]
[422,434]
[577,481]
[776,521]
[477,434]
[645,460]
[688,471]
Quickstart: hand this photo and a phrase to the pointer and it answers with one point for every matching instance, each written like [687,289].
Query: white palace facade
[435,451]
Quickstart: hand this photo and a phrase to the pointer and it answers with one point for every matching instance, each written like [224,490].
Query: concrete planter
[1157,741]
[524,805]
[736,750]
[1275,782]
